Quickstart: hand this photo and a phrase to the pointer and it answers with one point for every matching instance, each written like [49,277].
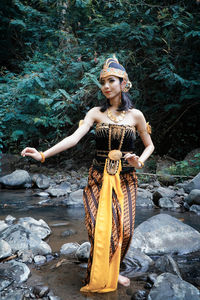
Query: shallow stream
[65,277]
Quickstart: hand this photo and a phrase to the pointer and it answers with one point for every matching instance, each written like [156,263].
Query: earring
[125,86]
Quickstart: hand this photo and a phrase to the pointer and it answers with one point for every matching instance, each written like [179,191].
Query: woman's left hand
[132,160]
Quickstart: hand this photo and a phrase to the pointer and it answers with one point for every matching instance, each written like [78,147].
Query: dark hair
[126,103]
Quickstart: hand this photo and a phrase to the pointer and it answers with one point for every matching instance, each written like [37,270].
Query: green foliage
[187,168]
[52,52]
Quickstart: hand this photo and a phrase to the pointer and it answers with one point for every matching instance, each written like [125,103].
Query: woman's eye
[111,80]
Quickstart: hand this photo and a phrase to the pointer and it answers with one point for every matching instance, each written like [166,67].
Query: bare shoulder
[94,110]
[136,113]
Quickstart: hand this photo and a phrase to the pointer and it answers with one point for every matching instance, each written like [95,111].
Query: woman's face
[110,86]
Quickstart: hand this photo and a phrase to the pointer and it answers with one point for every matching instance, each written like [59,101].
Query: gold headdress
[113,67]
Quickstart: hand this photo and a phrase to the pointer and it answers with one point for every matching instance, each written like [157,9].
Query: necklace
[116,119]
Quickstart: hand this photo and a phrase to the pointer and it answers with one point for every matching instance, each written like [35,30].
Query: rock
[69,249]
[193,184]
[76,198]
[68,232]
[20,238]
[162,234]
[83,252]
[15,270]
[26,256]
[14,295]
[167,264]
[4,282]
[136,263]
[162,192]
[17,179]
[193,197]
[40,228]
[144,198]
[58,191]
[39,259]
[3,225]
[169,286]
[167,203]
[10,220]
[41,291]
[139,295]
[195,208]
[5,249]
[42,181]
[83,183]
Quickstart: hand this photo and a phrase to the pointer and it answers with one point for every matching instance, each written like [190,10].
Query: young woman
[109,198]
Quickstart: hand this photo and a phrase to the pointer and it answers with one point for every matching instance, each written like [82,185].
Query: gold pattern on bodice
[101,130]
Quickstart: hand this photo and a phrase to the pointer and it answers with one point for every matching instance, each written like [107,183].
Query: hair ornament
[113,67]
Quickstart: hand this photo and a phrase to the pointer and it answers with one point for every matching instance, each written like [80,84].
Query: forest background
[51,55]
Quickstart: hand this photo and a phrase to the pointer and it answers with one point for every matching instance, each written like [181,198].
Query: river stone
[18,178]
[162,234]
[193,197]
[166,263]
[20,238]
[10,220]
[136,263]
[69,249]
[42,181]
[39,259]
[57,192]
[83,252]
[14,295]
[3,225]
[5,249]
[195,208]
[168,286]
[167,203]
[4,282]
[144,198]
[76,198]
[163,192]
[15,270]
[193,184]
[40,228]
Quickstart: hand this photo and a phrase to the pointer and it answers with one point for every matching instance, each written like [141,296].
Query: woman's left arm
[142,128]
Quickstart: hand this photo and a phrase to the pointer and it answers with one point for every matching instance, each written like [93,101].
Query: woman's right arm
[67,142]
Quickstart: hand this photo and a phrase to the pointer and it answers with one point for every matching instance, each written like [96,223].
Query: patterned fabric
[91,200]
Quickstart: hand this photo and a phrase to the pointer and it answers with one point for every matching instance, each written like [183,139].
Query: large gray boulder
[193,184]
[76,198]
[15,270]
[40,228]
[193,197]
[144,198]
[17,179]
[170,287]
[20,238]
[163,192]
[136,263]
[162,234]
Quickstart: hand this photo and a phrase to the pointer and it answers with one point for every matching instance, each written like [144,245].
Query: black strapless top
[123,134]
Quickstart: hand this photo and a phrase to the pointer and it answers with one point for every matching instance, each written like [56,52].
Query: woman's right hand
[32,152]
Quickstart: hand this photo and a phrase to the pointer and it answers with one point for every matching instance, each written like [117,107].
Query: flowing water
[65,277]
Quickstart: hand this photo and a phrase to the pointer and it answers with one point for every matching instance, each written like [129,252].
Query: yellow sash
[104,275]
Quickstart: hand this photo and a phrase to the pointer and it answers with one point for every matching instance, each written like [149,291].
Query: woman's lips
[107,92]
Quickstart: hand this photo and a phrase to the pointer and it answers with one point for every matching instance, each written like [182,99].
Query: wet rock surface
[165,234]
[168,286]
[160,244]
